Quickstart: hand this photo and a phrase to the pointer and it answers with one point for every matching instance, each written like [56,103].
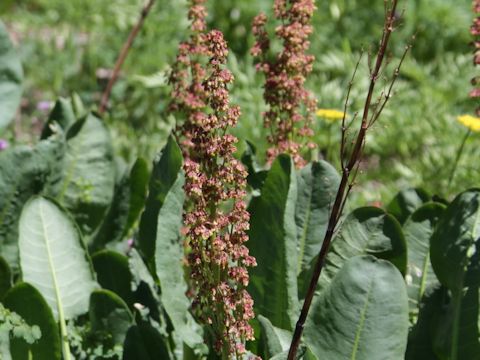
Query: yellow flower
[471,122]
[330,114]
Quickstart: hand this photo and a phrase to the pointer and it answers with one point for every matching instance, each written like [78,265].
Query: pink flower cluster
[291,107]
[217,218]
[475,31]
[188,72]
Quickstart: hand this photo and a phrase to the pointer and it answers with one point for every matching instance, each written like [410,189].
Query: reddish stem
[344,183]
[123,55]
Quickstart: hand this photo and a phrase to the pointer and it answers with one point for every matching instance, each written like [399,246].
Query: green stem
[457,299]
[225,353]
[457,159]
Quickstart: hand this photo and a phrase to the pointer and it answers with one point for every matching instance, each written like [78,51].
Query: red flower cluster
[290,106]
[475,31]
[217,219]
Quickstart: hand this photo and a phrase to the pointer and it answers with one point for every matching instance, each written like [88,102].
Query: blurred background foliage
[71,46]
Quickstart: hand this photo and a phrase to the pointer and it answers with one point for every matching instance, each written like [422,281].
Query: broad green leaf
[144,286]
[406,202]
[114,223]
[164,174]
[25,171]
[256,175]
[363,314]
[169,266]
[432,310]
[113,273]
[455,243]
[5,277]
[303,353]
[275,340]
[26,301]
[61,114]
[455,326]
[144,342]
[454,252]
[273,240]
[138,191]
[366,230]
[418,229]
[317,186]
[128,199]
[89,176]
[11,77]
[78,107]
[53,259]
[139,270]
[109,314]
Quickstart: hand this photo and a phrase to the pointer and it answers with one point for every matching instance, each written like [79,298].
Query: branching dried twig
[349,168]
[123,55]
[345,108]
[388,95]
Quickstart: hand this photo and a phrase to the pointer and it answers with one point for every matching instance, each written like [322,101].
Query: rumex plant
[216,218]
[188,96]
[291,106]
[103,261]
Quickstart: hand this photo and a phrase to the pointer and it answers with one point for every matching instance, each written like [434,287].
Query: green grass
[64,43]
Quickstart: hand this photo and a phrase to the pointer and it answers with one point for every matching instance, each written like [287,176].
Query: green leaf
[26,301]
[317,186]
[455,243]
[418,229]
[169,266]
[5,277]
[78,106]
[303,353]
[455,326]
[88,179]
[273,238]
[138,191]
[109,314]
[114,223]
[61,114]
[128,200]
[52,258]
[256,176]
[164,174]
[363,314]
[275,340]
[455,258]
[11,77]
[366,230]
[113,273]
[144,286]
[139,270]
[432,310]
[406,202]
[144,342]
[25,171]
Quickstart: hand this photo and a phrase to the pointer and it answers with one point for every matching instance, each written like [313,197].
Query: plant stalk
[123,55]
[345,185]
